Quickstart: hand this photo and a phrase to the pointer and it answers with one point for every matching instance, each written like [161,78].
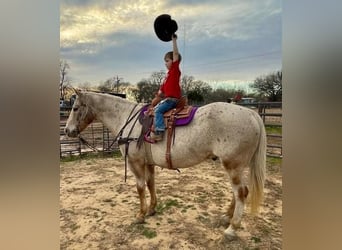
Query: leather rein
[121,140]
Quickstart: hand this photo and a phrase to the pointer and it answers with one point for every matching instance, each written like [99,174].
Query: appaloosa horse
[234,134]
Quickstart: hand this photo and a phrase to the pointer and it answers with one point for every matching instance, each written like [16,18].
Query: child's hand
[174,36]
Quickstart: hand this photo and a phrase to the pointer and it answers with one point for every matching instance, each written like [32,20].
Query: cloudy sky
[228,41]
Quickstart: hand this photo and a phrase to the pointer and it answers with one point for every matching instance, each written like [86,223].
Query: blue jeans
[162,107]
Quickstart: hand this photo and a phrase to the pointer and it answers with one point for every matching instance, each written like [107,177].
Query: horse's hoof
[229,238]
[139,220]
[225,221]
[221,221]
[151,212]
[229,234]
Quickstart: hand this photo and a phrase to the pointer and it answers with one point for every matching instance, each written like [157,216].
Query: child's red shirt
[171,84]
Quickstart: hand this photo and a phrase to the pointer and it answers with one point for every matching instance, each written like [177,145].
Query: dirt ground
[97,209]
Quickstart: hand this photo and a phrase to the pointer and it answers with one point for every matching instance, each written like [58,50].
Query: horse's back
[228,116]
[221,129]
[232,127]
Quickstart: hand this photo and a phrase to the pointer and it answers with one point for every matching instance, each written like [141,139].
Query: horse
[233,134]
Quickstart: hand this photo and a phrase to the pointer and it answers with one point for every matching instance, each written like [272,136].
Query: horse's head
[80,117]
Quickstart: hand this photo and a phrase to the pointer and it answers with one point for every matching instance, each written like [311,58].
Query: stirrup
[147,137]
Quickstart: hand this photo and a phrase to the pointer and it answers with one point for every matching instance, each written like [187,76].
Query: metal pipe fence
[101,139]
[271,114]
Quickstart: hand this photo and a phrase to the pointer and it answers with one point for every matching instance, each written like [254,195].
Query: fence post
[103,139]
[79,147]
[93,135]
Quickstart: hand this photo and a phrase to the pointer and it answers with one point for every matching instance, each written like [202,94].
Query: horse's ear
[77,91]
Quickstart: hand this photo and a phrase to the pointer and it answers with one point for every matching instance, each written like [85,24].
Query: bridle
[121,140]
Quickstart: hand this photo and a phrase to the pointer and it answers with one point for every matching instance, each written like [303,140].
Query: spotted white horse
[234,134]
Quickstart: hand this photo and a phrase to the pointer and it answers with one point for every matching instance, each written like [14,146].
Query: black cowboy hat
[165,27]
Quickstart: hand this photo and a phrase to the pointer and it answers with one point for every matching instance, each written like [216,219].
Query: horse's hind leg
[240,193]
[151,187]
[229,215]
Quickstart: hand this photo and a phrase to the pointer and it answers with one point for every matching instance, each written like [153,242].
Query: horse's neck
[113,112]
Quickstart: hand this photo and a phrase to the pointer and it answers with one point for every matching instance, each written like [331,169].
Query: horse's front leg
[140,218]
[138,169]
[151,187]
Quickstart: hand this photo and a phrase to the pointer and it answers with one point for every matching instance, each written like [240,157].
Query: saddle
[181,115]
[182,110]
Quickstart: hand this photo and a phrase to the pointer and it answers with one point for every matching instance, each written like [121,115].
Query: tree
[269,86]
[194,97]
[145,91]
[106,86]
[147,88]
[187,82]
[63,76]
[157,77]
[198,91]
[113,84]
[85,85]
[220,95]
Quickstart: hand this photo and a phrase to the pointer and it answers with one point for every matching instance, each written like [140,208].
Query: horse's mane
[106,95]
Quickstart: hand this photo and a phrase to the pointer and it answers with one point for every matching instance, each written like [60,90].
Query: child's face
[168,62]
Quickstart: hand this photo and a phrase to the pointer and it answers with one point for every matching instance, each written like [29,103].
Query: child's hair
[170,55]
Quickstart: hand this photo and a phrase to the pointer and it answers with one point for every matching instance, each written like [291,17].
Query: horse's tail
[258,169]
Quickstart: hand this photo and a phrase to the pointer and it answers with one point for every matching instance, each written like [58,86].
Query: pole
[117,80]
[117,84]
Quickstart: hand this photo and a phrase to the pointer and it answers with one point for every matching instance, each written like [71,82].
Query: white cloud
[91,23]
[103,35]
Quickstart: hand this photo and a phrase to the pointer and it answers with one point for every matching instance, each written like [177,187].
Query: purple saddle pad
[186,120]
[179,121]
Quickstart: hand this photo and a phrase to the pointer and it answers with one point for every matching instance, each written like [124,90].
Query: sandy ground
[97,209]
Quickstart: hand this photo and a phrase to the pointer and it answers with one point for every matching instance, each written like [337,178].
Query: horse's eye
[74,109]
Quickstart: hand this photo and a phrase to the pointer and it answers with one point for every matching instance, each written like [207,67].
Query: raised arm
[175,48]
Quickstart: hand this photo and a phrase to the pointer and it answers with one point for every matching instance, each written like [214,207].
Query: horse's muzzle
[71,133]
